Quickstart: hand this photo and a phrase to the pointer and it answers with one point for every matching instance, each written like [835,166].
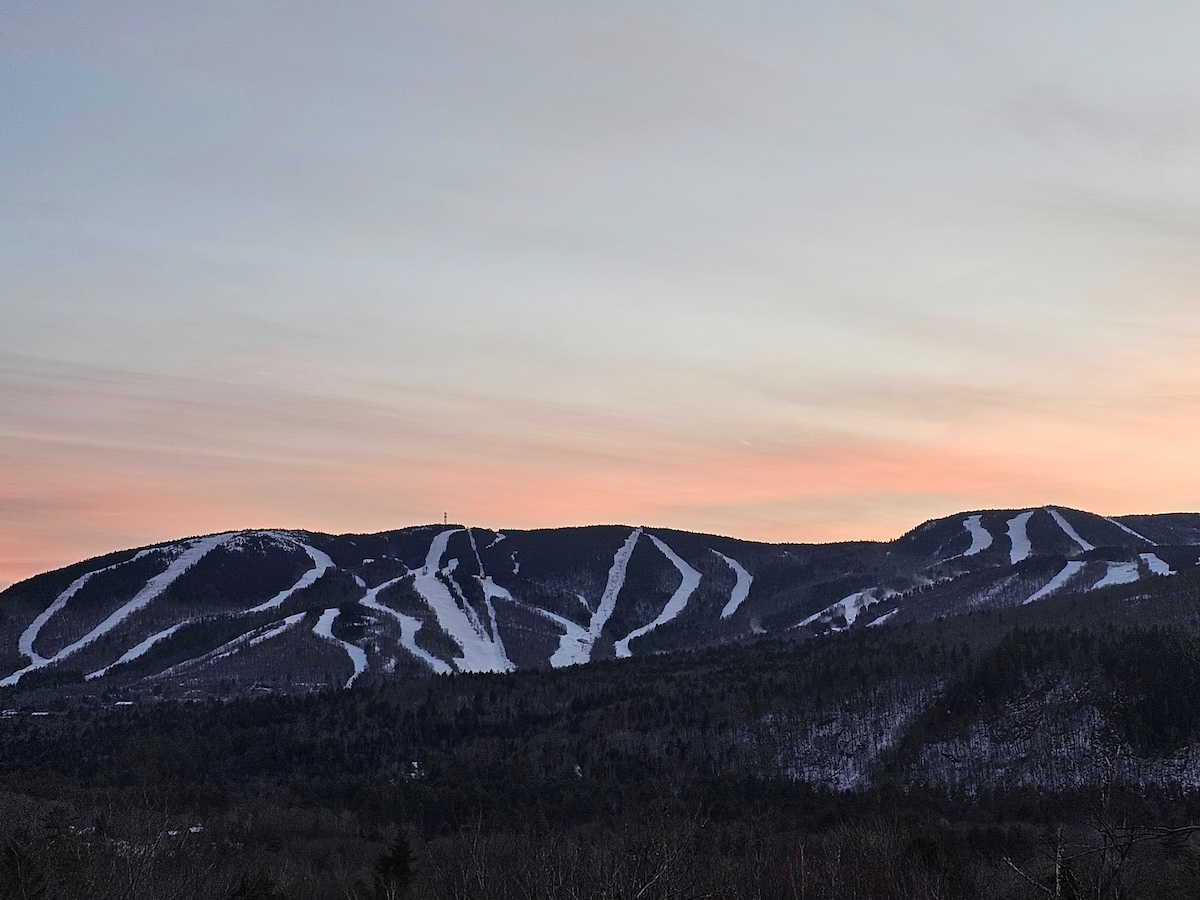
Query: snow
[321,564]
[1021,548]
[1069,571]
[1118,573]
[575,648]
[1069,531]
[741,587]
[883,618]
[251,638]
[27,639]
[408,627]
[1156,565]
[481,652]
[574,635]
[497,539]
[981,538]
[1125,528]
[152,589]
[674,606]
[139,649]
[358,656]
[849,607]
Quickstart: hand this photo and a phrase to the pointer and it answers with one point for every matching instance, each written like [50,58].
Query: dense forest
[865,764]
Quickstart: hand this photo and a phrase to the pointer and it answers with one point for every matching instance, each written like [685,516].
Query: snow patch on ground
[674,606]
[741,587]
[481,651]
[1069,531]
[1069,571]
[981,538]
[1156,565]
[358,656]
[321,564]
[1017,534]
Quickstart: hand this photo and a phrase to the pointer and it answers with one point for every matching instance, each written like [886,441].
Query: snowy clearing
[1021,548]
[981,538]
[1069,531]
[741,587]
[481,652]
[358,656]
[674,606]
[1156,565]
[321,564]
[408,627]
[1129,531]
[151,590]
[1069,571]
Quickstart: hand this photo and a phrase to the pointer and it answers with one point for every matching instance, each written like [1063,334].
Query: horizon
[789,275]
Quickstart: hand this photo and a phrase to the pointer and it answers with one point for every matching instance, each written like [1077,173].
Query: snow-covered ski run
[1019,537]
[1129,531]
[741,587]
[1156,565]
[1069,571]
[674,606]
[149,592]
[574,647]
[981,538]
[1118,573]
[138,650]
[1069,531]
[358,656]
[408,626]
[481,651]
[321,564]
[251,638]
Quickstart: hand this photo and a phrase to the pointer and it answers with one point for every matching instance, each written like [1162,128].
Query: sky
[784,271]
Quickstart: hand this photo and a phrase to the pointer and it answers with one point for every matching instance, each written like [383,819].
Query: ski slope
[321,564]
[574,648]
[358,656]
[408,627]
[138,650]
[1019,536]
[1118,573]
[481,652]
[1069,571]
[251,638]
[1069,531]
[741,587]
[152,589]
[1156,565]
[1129,531]
[674,606]
[981,538]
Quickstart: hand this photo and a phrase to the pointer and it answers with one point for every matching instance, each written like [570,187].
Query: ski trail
[408,627]
[674,606]
[1069,531]
[1021,548]
[493,622]
[1156,565]
[573,637]
[848,607]
[981,538]
[1118,573]
[149,592]
[321,564]
[358,656]
[883,618]
[741,587]
[497,539]
[1131,532]
[1069,571]
[29,636]
[480,653]
[251,638]
[574,648]
[138,650]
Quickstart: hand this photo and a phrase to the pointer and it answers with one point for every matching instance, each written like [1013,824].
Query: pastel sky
[786,271]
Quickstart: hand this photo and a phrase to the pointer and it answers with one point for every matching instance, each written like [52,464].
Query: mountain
[291,610]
